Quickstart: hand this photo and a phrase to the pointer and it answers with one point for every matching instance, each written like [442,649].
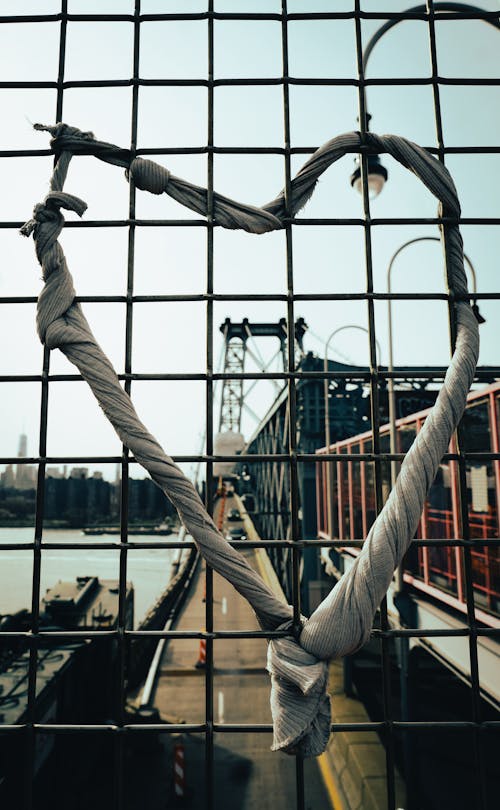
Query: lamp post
[377,174]
[327,414]
[399,575]
[402,600]
[390,381]
[378,182]
[406,684]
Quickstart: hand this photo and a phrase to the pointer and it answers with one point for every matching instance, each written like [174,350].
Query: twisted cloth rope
[298,663]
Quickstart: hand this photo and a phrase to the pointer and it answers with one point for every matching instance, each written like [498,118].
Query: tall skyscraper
[23,446]
[25,473]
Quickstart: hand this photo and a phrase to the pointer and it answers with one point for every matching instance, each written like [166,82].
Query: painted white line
[224,605]
[220,702]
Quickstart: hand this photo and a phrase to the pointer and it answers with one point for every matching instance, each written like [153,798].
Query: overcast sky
[171,337]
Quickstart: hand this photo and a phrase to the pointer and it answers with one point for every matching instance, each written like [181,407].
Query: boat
[75,680]
[163,529]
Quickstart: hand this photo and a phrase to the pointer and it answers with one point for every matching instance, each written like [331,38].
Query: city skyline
[24,476]
[73,498]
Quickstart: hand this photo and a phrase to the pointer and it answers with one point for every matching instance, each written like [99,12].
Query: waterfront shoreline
[149,569]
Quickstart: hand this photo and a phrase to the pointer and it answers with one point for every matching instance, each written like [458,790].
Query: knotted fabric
[298,663]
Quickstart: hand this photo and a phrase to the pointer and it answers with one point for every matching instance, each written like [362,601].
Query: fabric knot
[372,141]
[149,176]
[61,132]
[72,140]
[47,221]
[61,199]
[300,704]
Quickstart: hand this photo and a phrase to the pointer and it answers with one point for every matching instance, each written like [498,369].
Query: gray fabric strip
[342,623]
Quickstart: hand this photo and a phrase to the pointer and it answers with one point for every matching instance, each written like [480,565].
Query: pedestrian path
[247,774]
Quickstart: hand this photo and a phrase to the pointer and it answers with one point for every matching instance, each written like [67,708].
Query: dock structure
[247,773]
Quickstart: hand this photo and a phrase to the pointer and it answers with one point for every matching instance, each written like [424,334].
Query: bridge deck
[247,774]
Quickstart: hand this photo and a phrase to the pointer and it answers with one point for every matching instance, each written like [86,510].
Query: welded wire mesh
[151,25]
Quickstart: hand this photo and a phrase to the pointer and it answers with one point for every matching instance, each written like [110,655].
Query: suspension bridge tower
[240,340]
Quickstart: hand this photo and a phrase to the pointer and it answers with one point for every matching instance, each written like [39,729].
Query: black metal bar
[484,373]
[375,410]
[469,12]
[119,748]
[480,792]
[249,150]
[200,297]
[292,398]
[235,728]
[159,544]
[326,222]
[27,792]
[350,458]
[408,81]
[66,635]
[209,420]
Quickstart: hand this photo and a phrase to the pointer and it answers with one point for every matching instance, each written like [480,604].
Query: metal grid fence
[430,15]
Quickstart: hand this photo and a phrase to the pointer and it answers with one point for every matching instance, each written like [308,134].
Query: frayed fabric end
[300,704]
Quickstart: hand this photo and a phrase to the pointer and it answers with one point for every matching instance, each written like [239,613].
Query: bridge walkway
[247,774]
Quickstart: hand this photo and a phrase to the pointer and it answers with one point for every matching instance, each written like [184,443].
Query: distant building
[79,499]
[79,472]
[54,472]
[22,451]
[146,501]
[25,473]
[8,477]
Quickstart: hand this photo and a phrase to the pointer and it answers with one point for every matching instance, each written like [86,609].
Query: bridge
[427,604]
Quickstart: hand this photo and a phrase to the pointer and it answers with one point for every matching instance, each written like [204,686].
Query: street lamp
[390,381]
[402,600]
[377,174]
[327,413]
[403,604]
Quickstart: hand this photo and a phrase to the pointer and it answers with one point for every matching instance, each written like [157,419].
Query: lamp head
[377,176]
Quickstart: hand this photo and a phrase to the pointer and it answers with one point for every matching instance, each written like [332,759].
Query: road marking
[220,703]
[224,605]
[329,781]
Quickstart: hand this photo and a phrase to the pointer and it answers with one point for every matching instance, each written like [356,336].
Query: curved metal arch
[422,8]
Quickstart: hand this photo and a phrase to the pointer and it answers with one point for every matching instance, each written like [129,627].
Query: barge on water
[76,681]
[161,530]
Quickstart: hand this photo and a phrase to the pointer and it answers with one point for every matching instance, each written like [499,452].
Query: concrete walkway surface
[248,776]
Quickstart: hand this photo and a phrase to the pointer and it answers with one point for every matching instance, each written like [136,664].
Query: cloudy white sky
[170,337]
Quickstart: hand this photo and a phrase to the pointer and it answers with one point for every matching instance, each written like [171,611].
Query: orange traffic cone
[202,658]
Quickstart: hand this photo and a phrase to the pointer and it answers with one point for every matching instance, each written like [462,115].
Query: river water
[147,569]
